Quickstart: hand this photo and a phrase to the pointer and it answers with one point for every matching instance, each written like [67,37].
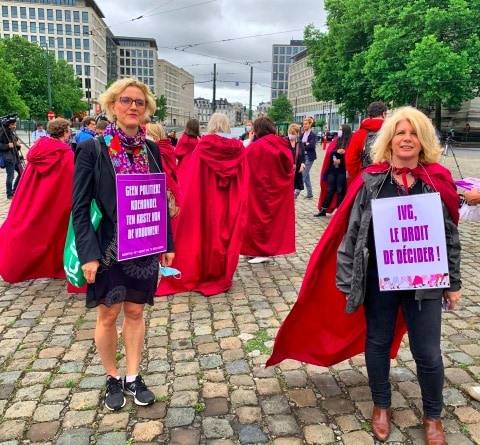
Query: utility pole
[250,115]
[214,102]
[49,77]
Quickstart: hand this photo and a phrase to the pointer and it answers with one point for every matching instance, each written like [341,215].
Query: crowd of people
[229,197]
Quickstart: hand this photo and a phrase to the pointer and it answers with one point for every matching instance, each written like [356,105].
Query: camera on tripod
[8,119]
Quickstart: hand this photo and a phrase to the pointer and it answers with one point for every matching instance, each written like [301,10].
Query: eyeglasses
[127,101]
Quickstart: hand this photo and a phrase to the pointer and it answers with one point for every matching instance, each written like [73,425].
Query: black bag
[367,148]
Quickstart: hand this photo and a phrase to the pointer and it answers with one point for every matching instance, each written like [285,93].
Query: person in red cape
[208,234]
[184,149]
[371,125]
[341,312]
[333,182]
[157,133]
[270,214]
[33,235]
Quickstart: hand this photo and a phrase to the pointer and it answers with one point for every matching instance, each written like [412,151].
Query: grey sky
[216,20]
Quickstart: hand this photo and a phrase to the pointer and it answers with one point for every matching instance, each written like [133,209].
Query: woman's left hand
[341,151]
[302,168]
[453,298]
[166,259]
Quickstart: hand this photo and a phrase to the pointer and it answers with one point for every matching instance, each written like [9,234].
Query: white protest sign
[410,242]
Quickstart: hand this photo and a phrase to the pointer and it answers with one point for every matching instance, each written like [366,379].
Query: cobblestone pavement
[204,359]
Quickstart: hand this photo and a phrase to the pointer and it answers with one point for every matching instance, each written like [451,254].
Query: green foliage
[199,407]
[281,110]
[30,63]
[10,99]
[420,52]
[161,111]
[258,342]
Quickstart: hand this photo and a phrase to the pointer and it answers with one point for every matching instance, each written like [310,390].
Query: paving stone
[213,390]
[248,414]
[242,397]
[185,383]
[237,367]
[92,383]
[47,413]
[348,423]
[311,415]
[318,434]
[55,395]
[458,439]
[404,418]
[251,434]
[115,421]
[302,397]
[74,419]
[216,428]
[467,414]
[357,438]
[474,431]
[11,429]
[185,436]
[295,379]
[179,417]
[116,438]
[45,431]
[453,397]
[147,431]
[457,376]
[282,425]
[29,393]
[241,380]
[184,398]
[85,400]
[80,436]
[186,368]
[275,405]
[338,406]
[9,378]
[20,409]
[288,441]
[216,407]
[268,386]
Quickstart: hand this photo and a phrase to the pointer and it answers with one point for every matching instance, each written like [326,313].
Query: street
[204,359]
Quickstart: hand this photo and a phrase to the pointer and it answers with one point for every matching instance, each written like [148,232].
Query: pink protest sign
[410,242]
[141,215]
[468,183]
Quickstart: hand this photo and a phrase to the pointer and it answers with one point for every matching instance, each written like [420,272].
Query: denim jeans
[10,168]
[306,177]
[424,329]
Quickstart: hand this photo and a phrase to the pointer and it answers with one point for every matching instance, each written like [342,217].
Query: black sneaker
[322,212]
[141,394]
[114,398]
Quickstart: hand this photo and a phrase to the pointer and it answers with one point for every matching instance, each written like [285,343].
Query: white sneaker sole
[118,409]
[258,260]
[137,402]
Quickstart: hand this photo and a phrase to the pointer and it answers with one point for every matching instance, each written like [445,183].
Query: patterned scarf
[118,143]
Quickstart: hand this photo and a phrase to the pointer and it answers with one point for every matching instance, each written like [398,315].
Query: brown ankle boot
[433,432]
[381,423]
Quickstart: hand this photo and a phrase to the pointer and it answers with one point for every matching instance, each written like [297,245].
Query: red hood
[46,153]
[276,143]
[222,155]
[185,145]
[372,124]
[165,146]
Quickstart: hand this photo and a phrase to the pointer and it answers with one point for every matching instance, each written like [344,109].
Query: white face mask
[292,137]
[339,132]
[248,128]
[147,136]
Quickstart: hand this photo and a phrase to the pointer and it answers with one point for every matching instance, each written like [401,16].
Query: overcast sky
[206,21]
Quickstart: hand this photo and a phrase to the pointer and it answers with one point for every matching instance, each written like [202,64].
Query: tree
[10,99]
[161,111]
[419,52]
[30,64]
[281,110]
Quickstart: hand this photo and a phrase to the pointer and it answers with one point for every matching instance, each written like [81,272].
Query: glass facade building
[281,60]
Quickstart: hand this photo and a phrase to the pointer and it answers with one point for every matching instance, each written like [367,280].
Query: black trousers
[336,183]
[12,167]
[424,330]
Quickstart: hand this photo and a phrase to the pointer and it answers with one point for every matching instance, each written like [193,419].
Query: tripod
[448,147]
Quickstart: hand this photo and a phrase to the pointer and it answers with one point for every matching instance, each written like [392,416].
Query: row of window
[291,50]
[51,2]
[59,42]
[282,59]
[280,85]
[135,62]
[136,43]
[59,15]
[136,53]
[49,29]
[136,71]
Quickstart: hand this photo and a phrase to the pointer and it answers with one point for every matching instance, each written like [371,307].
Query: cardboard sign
[141,215]
[410,242]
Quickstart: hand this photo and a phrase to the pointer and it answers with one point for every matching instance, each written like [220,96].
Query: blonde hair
[293,129]
[156,131]
[218,123]
[108,97]
[382,147]
[310,120]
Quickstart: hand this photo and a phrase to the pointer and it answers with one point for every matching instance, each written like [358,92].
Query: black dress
[298,155]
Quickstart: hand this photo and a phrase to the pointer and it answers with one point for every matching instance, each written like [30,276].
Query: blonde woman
[308,140]
[342,277]
[114,286]
[298,156]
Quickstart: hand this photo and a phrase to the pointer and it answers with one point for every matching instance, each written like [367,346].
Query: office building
[176,85]
[202,110]
[281,59]
[73,29]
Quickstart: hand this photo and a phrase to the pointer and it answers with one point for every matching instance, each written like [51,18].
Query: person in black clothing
[173,138]
[115,285]
[10,150]
[298,156]
[309,141]
[335,175]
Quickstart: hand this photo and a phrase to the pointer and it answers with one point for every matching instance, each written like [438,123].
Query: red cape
[318,330]
[183,152]
[33,235]
[323,180]
[270,219]
[207,237]
[169,164]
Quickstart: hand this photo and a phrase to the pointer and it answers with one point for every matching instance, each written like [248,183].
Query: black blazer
[95,178]
[309,146]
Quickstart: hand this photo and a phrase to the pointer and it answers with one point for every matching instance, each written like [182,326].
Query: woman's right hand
[90,271]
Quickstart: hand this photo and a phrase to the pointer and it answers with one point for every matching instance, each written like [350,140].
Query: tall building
[137,57]
[300,95]
[176,85]
[112,58]
[73,29]
[281,59]
[202,110]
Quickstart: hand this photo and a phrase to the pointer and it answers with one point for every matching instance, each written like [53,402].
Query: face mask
[166,271]
[248,128]
[292,137]
[339,132]
[148,137]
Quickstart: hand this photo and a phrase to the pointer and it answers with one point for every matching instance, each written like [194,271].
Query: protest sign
[141,215]
[468,183]
[410,242]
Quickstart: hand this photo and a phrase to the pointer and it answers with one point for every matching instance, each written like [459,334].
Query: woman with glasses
[114,285]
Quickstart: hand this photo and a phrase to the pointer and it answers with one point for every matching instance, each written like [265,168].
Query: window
[78,69]
[122,71]
[23,12]
[41,14]
[59,42]
[134,62]
[84,16]
[43,40]
[134,71]
[6,25]
[85,30]
[86,44]
[76,16]
[289,50]
[23,26]
[68,29]
[15,26]
[68,16]
[51,28]
[145,53]
[122,52]
[86,57]
[76,30]
[68,42]
[78,44]
[33,27]
[61,55]
[78,56]
[13,9]
[69,56]
[128,71]
[87,70]
[51,42]
[41,28]
[33,39]
[49,14]
[31,13]
[59,28]
[150,72]
[150,63]
[59,15]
